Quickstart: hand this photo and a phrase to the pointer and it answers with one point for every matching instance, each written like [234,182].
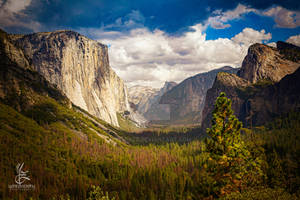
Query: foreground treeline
[262,163]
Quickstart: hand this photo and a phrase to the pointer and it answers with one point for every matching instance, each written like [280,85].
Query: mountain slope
[267,63]
[20,85]
[263,88]
[186,100]
[80,68]
[33,96]
[39,126]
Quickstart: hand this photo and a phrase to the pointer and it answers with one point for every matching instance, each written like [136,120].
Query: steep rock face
[20,86]
[186,100]
[264,62]
[228,83]
[272,101]
[289,51]
[80,68]
[256,94]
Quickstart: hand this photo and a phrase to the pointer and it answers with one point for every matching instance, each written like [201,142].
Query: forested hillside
[64,163]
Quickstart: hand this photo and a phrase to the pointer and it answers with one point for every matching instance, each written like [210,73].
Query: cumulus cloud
[284,18]
[146,57]
[14,6]
[12,15]
[294,40]
[219,18]
[249,36]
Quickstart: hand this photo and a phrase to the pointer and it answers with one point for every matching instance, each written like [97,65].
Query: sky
[153,41]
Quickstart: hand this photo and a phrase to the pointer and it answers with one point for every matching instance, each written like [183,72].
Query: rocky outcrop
[289,51]
[263,88]
[80,68]
[20,86]
[186,100]
[272,101]
[266,63]
[230,84]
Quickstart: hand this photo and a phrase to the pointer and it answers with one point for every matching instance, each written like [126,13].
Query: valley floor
[65,159]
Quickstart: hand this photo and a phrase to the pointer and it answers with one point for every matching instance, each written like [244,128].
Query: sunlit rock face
[264,62]
[266,86]
[80,68]
[20,85]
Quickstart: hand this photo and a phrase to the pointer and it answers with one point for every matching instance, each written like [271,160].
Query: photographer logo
[20,178]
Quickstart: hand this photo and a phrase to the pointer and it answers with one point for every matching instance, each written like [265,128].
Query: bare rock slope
[268,63]
[265,87]
[80,68]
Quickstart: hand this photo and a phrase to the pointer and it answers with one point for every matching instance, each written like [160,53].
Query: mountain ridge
[187,98]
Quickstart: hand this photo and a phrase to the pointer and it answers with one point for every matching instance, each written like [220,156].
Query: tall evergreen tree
[230,163]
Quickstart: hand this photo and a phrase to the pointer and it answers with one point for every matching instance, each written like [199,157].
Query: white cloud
[249,36]
[141,56]
[294,40]
[284,18]
[219,18]
[15,6]
[144,57]
[272,44]
[12,15]
[152,57]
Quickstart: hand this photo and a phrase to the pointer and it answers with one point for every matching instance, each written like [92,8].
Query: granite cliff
[263,88]
[186,100]
[268,63]
[80,68]
[20,85]
[25,93]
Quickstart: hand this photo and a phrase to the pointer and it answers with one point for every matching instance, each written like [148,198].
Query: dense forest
[226,162]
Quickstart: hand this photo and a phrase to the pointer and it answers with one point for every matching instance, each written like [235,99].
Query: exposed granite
[264,62]
[266,86]
[80,68]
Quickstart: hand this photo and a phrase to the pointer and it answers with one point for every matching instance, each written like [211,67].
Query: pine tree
[230,163]
[97,194]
